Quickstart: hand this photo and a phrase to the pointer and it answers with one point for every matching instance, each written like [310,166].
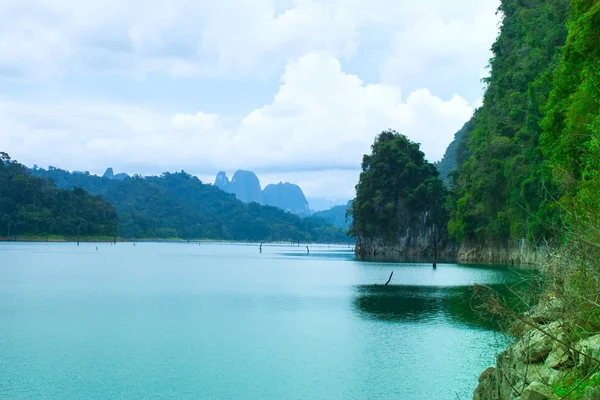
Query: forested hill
[503,189]
[31,205]
[178,205]
[337,215]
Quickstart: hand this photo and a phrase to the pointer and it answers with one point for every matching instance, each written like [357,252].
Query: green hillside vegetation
[571,139]
[456,153]
[337,216]
[31,205]
[503,191]
[178,205]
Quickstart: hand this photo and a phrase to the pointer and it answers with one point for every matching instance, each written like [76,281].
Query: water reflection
[429,304]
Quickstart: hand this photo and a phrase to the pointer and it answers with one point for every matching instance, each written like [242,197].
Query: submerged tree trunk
[389,279]
[434,247]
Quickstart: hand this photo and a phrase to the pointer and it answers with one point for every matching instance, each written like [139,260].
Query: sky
[294,90]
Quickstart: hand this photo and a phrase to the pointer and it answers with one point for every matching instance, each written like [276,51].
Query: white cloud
[320,119]
[441,52]
[49,39]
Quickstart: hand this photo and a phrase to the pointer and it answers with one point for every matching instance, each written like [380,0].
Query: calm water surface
[216,321]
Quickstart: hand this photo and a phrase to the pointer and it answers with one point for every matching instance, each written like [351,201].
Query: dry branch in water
[389,279]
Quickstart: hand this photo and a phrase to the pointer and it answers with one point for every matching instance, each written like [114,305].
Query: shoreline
[104,239]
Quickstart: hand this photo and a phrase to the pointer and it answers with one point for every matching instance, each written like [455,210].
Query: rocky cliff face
[418,240]
[222,181]
[513,252]
[286,196]
[111,175]
[246,186]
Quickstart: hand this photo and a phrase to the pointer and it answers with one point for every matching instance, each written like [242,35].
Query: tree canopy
[396,186]
[501,190]
[35,206]
[571,138]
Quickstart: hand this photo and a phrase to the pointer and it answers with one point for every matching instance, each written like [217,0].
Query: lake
[222,321]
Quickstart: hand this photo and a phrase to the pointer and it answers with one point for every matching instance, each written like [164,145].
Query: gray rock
[591,347]
[549,309]
[485,374]
[537,372]
[533,347]
[537,391]
[558,357]
[489,386]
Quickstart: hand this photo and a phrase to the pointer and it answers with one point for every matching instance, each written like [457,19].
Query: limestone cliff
[418,239]
[246,186]
[418,242]
[287,196]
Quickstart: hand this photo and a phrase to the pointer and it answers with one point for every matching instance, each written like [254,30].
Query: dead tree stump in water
[389,279]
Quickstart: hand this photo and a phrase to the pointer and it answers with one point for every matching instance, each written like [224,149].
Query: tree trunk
[434,248]
[389,279]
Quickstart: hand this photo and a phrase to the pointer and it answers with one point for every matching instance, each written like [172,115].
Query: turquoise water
[217,321]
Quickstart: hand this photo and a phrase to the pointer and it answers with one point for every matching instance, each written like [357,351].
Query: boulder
[591,347]
[533,347]
[537,391]
[537,372]
[488,387]
[485,374]
[558,357]
[549,309]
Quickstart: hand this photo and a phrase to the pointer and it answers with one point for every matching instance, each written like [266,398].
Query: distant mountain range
[246,187]
[111,175]
[178,205]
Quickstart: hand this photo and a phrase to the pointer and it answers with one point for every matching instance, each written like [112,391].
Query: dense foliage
[571,139]
[337,215]
[178,205]
[502,191]
[396,187]
[34,206]
[456,152]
